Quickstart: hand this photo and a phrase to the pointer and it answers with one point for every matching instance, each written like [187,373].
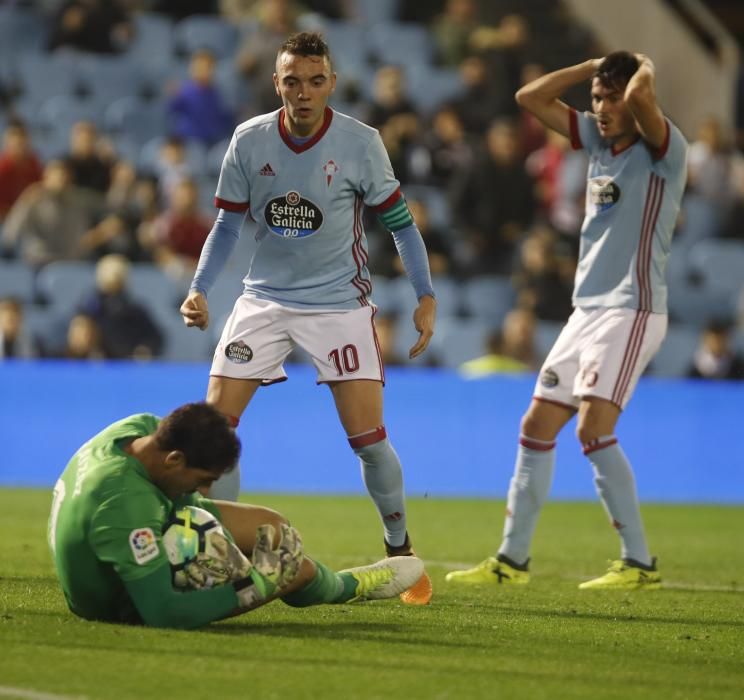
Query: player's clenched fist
[195,311]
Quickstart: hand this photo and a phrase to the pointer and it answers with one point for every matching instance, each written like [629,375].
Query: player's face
[304,83]
[614,119]
[178,478]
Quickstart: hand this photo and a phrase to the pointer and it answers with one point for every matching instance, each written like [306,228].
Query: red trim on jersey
[370,438]
[651,210]
[359,255]
[556,403]
[594,445]
[231,206]
[389,202]
[300,147]
[624,148]
[377,344]
[536,444]
[573,129]
[661,151]
[630,358]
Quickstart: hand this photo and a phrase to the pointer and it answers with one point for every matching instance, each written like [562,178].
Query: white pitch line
[28,694]
[673,585]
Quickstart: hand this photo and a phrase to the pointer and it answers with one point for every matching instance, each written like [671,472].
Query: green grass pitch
[546,640]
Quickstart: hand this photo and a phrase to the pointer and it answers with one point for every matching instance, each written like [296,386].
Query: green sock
[326,587]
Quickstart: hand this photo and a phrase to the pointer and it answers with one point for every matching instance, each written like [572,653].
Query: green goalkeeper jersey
[105,532]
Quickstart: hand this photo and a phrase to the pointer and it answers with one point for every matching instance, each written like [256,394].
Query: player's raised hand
[195,310]
[423,319]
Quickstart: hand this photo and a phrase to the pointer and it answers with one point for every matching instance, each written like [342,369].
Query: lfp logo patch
[293,216]
[144,545]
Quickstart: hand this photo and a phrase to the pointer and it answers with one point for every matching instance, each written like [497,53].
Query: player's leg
[230,397]
[250,353]
[625,343]
[315,582]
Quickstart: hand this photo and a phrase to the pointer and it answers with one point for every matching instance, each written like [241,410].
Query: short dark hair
[305,44]
[617,69]
[203,434]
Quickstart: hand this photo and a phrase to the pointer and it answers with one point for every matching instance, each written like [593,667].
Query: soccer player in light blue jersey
[635,182]
[304,174]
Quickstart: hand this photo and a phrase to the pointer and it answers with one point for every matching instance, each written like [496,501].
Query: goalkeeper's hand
[230,564]
[273,567]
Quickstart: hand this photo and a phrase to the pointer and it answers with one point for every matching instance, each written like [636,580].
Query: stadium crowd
[116,116]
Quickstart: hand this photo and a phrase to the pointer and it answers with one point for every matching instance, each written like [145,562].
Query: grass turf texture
[544,640]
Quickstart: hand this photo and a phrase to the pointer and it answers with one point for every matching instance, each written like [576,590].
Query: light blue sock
[616,487]
[383,478]
[227,487]
[533,475]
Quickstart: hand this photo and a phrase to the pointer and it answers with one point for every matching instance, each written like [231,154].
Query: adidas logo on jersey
[266,170]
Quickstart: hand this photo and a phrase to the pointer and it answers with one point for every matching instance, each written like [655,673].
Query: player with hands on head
[635,182]
[114,501]
[304,174]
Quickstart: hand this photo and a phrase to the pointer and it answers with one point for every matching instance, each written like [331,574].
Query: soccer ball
[195,545]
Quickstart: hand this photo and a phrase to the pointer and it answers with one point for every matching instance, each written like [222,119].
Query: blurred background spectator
[15,341]
[716,358]
[116,116]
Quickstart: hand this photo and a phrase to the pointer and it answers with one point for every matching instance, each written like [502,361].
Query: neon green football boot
[626,575]
[386,578]
[501,570]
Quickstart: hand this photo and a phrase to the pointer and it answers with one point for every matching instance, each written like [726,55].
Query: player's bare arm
[541,97]
[640,96]
[424,318]
[195,310]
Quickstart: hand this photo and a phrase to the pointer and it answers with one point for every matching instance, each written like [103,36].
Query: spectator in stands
[197,111]
[715,357]
[276,19]
[497,201]
[452,31]
[127,329]
[544,279]
[49,219]
[19,166]
[544,165]
[387,262]
[511,349]
[483,99]
[172,167]
[181,230]
[444,154]
[15,341]
[83,341]
[97,26]
[89,167]
[715,180]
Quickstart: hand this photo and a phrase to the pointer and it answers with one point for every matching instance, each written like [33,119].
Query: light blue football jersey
[632,202]
[307,201]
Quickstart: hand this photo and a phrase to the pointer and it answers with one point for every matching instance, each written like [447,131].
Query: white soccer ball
[194,542]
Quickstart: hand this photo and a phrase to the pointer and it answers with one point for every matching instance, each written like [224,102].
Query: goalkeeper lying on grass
[115,497]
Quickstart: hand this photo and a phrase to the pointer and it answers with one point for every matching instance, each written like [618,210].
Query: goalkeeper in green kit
[115,498]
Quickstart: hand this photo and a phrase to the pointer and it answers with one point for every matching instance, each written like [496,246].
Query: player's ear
[276,84]
[175,459]
[333,83]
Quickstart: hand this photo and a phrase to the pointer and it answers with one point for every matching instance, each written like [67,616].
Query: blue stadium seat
[153,39]
[400,44]
[385,296]
[697,304]
[138,120]
[435,201]
[61,112]
[196,155]
[16,280]
[64,283]
[370,11]
[42,75]
[47,325]
[215,156]
[205,32]
[149,285]
[21,32]
[222,296]
[447,290]
[546,333]
[348,43]
[720,263]
[458,340]
[184,344]
[488,297]
[430,87]
[675,355]
[207,188]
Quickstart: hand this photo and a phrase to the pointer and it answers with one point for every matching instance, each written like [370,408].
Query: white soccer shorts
[259,335]
[600,352]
